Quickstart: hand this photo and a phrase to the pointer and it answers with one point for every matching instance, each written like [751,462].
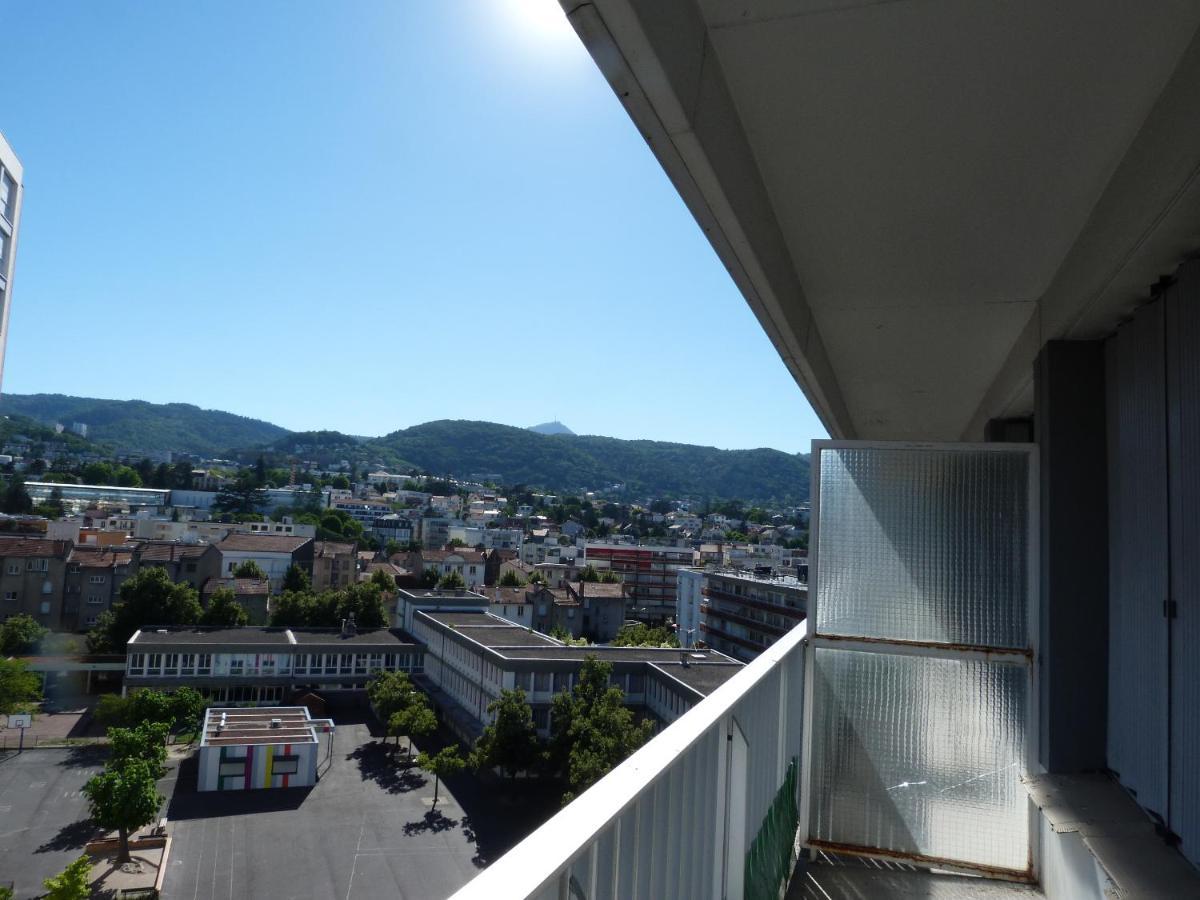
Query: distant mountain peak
[555,427]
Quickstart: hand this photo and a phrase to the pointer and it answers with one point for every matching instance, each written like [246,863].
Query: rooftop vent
[277,723]
[160,631]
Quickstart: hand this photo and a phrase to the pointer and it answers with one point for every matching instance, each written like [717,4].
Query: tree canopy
[509,742]
[20,635]
[72,883]
[296,579]
[18,686]
[248,568]
[591,729]
[224,610]
[446,762]
[148,598]
[642,635]
[124,797]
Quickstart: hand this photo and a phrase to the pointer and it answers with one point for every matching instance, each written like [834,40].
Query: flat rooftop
[514,642]
[237,726]
[704,677]
[266,636]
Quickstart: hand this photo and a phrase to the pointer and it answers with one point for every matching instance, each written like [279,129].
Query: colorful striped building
[264,747]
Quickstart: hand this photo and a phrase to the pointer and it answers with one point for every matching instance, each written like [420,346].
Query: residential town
[66,546]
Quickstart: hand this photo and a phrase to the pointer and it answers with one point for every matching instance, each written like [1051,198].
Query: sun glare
[542,20]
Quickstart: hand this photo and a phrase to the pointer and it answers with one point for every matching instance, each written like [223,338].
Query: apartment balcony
[711,611]
[714,593]
[884,747]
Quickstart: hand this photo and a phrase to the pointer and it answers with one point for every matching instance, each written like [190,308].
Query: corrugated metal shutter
[1183,373]
[1138,561]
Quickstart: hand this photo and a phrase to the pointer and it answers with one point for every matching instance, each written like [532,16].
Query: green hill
[135,426]
[574,462]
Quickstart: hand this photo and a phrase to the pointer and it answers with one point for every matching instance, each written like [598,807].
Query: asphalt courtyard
[366,830]
[43,814]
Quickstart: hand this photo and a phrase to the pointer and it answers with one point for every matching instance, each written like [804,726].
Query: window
[37,565]
[520,611]
[14,568]
[10,595]
[300,666]
[541,681]
[187,663]
[91,620]
[137,663]
[203,664]
[44,607]
[153,663]
[8,196]
[331,663]
[95,600]
[236,665]
[232,768]
[95,579]
[285,765]
[347,663]
[171,664]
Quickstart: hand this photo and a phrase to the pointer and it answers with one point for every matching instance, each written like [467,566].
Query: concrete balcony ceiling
[913,196]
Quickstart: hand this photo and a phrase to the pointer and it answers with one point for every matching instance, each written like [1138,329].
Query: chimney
[348,627]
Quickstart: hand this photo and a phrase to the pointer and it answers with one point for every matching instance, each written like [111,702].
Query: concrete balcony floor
[832,877]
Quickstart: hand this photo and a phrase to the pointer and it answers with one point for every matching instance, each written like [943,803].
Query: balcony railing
[792,612]
[708,808]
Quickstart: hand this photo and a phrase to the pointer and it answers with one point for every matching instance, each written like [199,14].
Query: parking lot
[43,814]
[366,830]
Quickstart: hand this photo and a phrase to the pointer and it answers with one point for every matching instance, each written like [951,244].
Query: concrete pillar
[1073,627]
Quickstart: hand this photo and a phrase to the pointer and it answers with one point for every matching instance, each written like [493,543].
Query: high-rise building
[10,220]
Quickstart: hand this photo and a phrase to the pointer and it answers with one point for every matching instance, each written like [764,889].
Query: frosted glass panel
[924,545]
[920,755]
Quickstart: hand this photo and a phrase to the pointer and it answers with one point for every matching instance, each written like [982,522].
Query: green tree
[124,797]
[429,578]
[641,635]
[147,742]
[591,730]
[187,706]
[414,721]
[244,495]
[16,499]
[98,473]
[341,482]
[510,742]
[382,581]
[456,542]
[296,579]
[224,610]
[511,579]
[20,635]
[296,609]
[452,581]
[124,476]
[149,598]
[18,686]
[443,764]
[151,706]
[72,883]
[589,574]
[248,568]
[365,603]
[113,709]
[390,693]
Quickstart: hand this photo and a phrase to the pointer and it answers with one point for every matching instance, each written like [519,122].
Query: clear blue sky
[363,216]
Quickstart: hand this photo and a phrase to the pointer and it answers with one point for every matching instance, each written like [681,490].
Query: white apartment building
[11,193]
[689,597]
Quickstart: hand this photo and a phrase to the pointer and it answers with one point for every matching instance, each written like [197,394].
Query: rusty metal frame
[1024,656]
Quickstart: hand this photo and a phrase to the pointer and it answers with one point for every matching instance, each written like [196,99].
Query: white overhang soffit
[913,196]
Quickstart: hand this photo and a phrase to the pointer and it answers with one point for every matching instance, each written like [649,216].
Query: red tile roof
[262,543]
[240,586]
[24,546]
